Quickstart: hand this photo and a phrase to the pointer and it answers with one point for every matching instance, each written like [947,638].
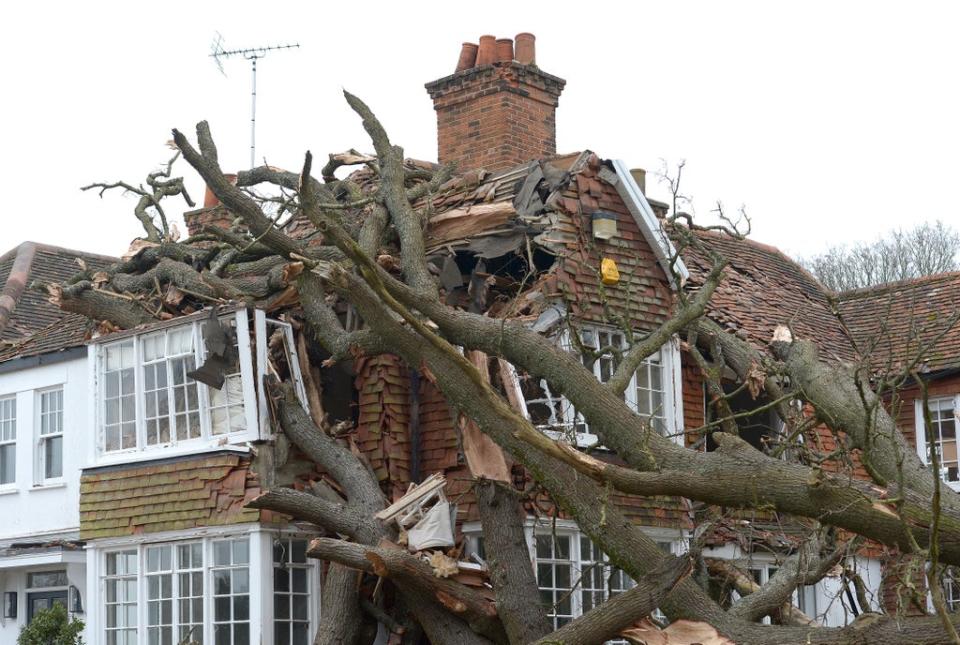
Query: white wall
[30,510]
[833,606]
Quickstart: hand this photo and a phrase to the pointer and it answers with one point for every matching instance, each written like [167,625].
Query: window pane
[53,457]
[42,579]
[8,463]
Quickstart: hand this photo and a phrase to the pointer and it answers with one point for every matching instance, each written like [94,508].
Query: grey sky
[831,121]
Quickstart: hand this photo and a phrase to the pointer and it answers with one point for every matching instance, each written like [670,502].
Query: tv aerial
[252,54]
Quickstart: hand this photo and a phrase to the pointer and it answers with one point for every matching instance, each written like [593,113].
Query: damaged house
[134,450]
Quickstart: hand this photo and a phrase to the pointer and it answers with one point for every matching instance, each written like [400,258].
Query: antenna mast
[252,54]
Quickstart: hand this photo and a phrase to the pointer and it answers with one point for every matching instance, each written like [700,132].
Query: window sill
[584,440]
[48,486]
[9,490]
[151,454]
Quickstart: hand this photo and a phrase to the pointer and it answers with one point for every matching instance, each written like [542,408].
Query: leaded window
[231,592]
[291,592]
[120,602]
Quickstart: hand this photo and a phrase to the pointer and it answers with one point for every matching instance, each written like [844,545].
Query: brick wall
[496,116]
[217,216]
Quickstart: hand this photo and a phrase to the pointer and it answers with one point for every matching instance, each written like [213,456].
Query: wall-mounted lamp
[10,604]
[76,603]
[604,225]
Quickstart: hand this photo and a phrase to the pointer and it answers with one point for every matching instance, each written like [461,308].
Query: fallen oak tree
[406,315]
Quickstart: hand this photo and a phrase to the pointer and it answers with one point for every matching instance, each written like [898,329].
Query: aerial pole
[252,54]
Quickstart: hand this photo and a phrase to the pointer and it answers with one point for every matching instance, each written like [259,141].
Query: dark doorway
[38,600]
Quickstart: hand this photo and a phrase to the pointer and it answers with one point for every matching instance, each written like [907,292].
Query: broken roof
[72,330]
[763,288]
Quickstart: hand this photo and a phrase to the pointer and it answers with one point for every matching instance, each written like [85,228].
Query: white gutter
[649,225]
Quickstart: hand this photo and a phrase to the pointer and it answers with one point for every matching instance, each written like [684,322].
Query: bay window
[148,398]
[213,590]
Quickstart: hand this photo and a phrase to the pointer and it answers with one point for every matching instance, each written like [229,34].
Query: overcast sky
[832,122]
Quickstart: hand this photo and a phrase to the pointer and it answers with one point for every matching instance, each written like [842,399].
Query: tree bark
[605,621]
[507,554]
[415,574]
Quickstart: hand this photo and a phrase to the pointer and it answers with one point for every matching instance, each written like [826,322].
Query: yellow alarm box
[609,273]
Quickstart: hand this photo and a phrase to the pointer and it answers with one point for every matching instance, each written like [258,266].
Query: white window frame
[40,459]
[921,433]
[308,567]
[207,438]
[137,577]
[8,434]
[675,538]
[260,568]
[668,357]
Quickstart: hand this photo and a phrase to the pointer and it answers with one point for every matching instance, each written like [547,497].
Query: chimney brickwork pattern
[498,115]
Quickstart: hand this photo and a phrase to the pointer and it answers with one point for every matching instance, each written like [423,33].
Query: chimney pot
[498,113]
[504,50]
[526,48]
[640,176]
[468,56]
[209,199]
[487,51]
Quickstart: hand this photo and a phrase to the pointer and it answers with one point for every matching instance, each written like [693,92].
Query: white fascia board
[39,559]
[649,225]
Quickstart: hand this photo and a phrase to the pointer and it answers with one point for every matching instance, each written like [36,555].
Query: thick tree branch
[396,563]
[605,621]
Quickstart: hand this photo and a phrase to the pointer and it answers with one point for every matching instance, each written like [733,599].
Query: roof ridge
[884,287]
[43,246]
[16,281]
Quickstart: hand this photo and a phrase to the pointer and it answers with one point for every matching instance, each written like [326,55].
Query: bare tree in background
[900,255]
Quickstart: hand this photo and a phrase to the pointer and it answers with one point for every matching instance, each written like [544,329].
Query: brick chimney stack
[498,109]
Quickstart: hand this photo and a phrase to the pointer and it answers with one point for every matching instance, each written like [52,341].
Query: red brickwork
[496,116]
[217,216]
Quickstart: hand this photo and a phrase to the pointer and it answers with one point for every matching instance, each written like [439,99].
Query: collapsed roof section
[761,289]
[517,243]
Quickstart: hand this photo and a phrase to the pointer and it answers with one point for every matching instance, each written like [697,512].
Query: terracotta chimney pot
[504,50]
[209,199]
[526,48]
[487,52]
[468,56]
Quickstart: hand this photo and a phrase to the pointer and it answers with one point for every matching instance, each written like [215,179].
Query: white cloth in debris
[434,529]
